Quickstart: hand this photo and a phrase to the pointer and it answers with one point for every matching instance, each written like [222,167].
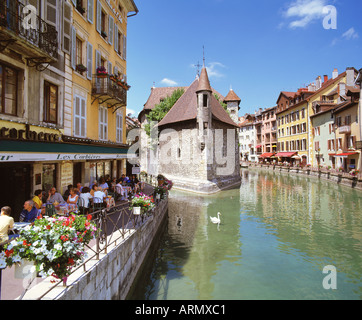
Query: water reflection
[277,232]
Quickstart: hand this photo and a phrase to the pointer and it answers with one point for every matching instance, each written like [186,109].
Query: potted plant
[143,203]
[54,245]
[80,68]
[102,72]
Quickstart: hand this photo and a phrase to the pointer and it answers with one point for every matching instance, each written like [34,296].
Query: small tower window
[205,100]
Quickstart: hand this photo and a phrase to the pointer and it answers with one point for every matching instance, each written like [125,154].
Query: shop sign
[17,157]
[27,134]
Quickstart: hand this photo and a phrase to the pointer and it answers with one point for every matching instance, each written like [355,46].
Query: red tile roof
[232,96]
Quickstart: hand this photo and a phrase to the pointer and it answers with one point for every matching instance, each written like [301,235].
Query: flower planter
[137,211]
[26,270]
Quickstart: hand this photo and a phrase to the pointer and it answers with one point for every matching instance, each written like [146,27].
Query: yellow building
[292,118]
[327,92]
[97,70]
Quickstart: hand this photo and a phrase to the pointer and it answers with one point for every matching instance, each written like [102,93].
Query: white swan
[216,220]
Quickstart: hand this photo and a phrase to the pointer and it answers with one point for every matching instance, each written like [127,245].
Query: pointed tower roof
[232,96]
[204,83]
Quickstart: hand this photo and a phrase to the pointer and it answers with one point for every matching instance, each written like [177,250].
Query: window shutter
[74,47]
[90,11]
[89,61]
[99,17]
[67,27]
[98,59]
[110,30]
[76,116]
[124,48]
[115,71]
[354,142]
[83,118]
[51,12]
[116,38]
[109,67]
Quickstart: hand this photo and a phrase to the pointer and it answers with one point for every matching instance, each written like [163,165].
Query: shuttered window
[110,30]
[51,12]
[67,27]
[89,61]
[103,123]
[99,17]
[79,117]
[90,11]
[119,127]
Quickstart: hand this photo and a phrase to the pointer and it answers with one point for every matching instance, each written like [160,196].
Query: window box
[80,68]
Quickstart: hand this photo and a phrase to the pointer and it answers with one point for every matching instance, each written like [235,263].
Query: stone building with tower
[197,140]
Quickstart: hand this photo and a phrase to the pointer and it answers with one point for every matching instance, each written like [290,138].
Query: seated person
[6,223]
[104,185]
[85,196]
[73,197]
[55,196]
[120,190]
[99,196]
[38,202]
[67,192]
[93,189]
[29,213]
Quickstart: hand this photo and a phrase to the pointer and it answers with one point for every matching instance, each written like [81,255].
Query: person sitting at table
[73,197]
[93,189]
[104,185]
[121,191]
[55,196]
[30,212]
[79,187]
[67,192]
[6,223]
[99,196]
[38,201]
[135,184]
[86,197]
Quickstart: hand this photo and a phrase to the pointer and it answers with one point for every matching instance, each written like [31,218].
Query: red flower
[89,217]
[70,261]
[48,227]
[8,253]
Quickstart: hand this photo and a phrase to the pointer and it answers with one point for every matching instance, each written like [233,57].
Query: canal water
[277,233]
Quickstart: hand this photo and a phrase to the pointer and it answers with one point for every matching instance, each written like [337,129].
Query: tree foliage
[160,110]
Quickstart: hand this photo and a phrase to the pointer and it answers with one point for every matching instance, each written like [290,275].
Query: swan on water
[216,220]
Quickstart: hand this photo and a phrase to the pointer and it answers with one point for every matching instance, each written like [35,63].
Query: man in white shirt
[6,223]
[99,196]
[121,191]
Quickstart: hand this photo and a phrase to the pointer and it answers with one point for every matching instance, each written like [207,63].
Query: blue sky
[258,48]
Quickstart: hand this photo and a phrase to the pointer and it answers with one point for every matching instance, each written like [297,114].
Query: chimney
[335,73]
[342,89]
[325,78]
[350,76]
[318,83]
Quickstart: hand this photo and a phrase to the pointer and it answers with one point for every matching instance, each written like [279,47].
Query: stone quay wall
[112,276]
[339,178]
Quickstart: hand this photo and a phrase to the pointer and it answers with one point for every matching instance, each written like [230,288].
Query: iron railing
[108,90]
[15,19]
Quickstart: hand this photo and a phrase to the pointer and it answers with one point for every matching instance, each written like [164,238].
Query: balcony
[109,91]
[345,129]
[36,42]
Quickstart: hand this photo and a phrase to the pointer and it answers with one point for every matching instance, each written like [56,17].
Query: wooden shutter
[99,17]
[90,11]
[67,27]
[98,59]
[110,30]
[83,118]
[109,67]
[116,44]
[74,48]
[89,61]
[51,12]
[124,48]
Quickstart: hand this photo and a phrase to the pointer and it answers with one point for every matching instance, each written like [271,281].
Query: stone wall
[326,175]
[110,277]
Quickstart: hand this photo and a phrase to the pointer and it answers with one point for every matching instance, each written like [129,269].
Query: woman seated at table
[73,197]
[99,197]
[85,197]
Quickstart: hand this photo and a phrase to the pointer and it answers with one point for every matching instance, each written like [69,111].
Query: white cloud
[303,12]
[131,111]
[169,82]
[350,34]
[213,70]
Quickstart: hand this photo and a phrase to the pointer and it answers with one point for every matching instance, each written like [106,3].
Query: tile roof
[157,94]
[232,96]
[204,83]
[186,107]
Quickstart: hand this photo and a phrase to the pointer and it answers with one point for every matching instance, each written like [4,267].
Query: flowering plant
[55,245]
[141,200]
[161,190]
[354,172]
[101,70]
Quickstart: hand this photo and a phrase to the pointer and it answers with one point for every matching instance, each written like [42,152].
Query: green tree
[160,110]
